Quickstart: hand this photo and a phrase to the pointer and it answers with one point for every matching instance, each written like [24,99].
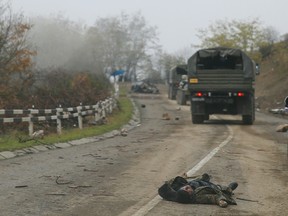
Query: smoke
[56,40]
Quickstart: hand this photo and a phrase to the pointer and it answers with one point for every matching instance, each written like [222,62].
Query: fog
[56,40]
[124,42]
[177,20]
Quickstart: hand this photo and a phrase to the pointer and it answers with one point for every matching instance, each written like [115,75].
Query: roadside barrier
[99,110]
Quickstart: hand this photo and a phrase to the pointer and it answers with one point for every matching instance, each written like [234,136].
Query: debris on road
[89,170]
[144,87]
[62,182]
[166,116]
[124,132]
[244,199]
[21,186]
[283,111]
[282,128]
[38,134]
[57,194]
[78,186]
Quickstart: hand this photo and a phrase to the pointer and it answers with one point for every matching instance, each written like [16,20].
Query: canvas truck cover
[176,72]
[208,58]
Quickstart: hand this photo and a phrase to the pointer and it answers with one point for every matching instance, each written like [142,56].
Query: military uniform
[204,191]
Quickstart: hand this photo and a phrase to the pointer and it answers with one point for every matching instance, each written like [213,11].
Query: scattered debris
[57,194]
[124,132]
[282,128]
[282,111]
[63,182]
[21,186]
[35,137]
[244,199]
[166,116]
[93,155]
[89,170]
[38,134]
[78,186]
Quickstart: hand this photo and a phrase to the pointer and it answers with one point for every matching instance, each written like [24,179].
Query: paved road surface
[121,175]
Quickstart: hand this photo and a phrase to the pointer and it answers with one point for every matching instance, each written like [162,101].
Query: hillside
[271,87]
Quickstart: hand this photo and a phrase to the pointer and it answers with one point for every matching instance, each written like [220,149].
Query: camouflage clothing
[204,191]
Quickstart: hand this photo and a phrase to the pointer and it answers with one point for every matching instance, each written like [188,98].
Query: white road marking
[150,205]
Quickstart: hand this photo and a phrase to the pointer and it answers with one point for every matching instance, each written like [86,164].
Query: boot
[233,185]
[205,177]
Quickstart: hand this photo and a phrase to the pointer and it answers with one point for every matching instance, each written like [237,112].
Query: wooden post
[31,125]
[103,107]
[97,112]
[110,105]
[58,121]
[80,118]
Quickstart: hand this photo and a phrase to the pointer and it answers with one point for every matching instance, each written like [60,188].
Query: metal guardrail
[99,110]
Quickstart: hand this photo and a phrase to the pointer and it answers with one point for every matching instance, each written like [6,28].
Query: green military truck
[174,80]
[183,95]
[221,81]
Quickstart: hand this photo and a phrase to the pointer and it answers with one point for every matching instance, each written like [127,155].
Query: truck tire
[197,119]
[247,119]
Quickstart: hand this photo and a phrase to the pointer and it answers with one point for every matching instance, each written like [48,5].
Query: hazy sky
[177,20]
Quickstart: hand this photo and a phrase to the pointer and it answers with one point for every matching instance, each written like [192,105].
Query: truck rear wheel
[197,119]
[247,119]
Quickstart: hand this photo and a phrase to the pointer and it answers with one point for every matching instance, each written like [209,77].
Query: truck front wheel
[197,119]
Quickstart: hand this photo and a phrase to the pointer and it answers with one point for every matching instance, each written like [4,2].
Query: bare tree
[121,42]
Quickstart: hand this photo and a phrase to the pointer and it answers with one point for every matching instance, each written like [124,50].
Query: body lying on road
[199,191]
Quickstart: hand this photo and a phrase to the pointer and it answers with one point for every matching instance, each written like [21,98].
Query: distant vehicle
[221,81]
[174,81]
[144,87]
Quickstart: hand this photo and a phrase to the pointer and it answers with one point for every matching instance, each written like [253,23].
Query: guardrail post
[31,125]
[58,121]
[109,107]
[80,118]
[97,112]
[103,106]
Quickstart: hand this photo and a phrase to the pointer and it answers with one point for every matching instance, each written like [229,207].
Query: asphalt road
[121,175]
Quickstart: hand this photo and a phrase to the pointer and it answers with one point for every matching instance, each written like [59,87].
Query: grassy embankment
[115,121]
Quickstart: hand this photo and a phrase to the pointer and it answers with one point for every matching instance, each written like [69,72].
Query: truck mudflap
[198,106]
